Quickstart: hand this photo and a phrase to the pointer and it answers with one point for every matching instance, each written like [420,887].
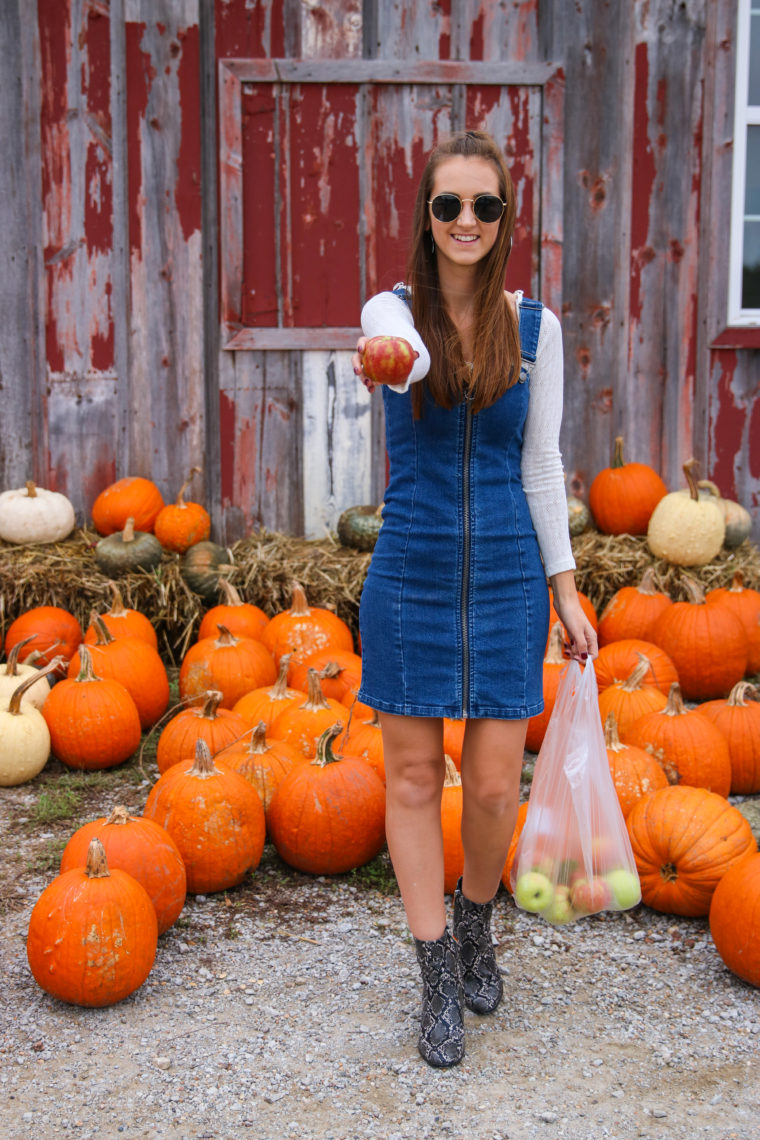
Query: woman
[454,612]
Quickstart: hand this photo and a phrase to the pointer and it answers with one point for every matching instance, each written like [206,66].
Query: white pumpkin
[32,514]
[685,529]
[24,735]
[12,674]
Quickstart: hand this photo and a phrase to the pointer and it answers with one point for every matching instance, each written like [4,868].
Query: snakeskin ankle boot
[441,1040]
[481,979]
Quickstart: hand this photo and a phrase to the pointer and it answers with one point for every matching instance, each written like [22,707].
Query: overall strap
[403,291]
[530,328]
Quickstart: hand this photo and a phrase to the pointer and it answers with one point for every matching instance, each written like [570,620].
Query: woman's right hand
[356,361]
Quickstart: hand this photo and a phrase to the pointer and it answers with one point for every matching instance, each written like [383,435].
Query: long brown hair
[496,363]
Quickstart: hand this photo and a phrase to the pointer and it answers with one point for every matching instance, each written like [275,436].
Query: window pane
[753,86]
[751,267]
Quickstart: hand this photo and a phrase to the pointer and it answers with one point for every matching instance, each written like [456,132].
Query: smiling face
[465,241]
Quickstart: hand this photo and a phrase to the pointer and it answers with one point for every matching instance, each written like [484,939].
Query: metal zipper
[465,592]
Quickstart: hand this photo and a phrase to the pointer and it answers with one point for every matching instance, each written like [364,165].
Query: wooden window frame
[233,73]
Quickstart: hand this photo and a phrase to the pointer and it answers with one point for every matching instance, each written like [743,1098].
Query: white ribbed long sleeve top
[387,314]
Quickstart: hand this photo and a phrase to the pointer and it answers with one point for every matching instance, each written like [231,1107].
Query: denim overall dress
[454,613]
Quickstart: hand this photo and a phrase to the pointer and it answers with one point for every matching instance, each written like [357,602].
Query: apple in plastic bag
[625,887]
[533,892]
[560,909]
[388,359]
[591,895]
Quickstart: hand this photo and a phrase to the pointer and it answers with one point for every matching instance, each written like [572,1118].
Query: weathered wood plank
[390,71]
[294,338]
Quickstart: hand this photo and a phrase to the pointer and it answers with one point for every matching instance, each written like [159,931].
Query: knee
[495,798]
[414,781]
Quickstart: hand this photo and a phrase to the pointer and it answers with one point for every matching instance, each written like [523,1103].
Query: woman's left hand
[356,361]
[581,641]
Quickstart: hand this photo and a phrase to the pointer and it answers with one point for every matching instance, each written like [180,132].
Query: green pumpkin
[202,566]
[127,550]
[359,527]
[578,515]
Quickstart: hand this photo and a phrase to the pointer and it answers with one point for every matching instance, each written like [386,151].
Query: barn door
[319,162]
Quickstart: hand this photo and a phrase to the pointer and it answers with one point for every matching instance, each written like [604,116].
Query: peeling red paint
[727,428]
[249,29]
[140,76]
[644,176]
[476,37]
[754,440]
[187,187]
[228,435]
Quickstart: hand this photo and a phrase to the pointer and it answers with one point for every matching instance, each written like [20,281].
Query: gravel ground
[289,1007]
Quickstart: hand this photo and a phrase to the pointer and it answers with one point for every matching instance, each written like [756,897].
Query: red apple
[388,359]
[591,895]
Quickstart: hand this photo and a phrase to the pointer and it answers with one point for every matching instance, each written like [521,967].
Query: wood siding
[202,192]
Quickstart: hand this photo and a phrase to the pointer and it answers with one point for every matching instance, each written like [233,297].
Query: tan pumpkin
[686,530]
[12,674]
[24,735]
[32,514]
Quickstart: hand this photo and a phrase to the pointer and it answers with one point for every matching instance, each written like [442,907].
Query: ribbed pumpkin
[616,660]
[92,934]
[686,743]
[24,735]
[207,721]
[623,495]
[243,619]
[262,762]
[328,815]
[633,610]
[707,644]
[451,827]
[365,739]
[635,773]
[303,630]
[121,621]
[132,497]
[739,721]
[522,815]
[12,674]
[340,671]
[745,603]
[686,529]
[631,698]
[180,525]
[50,630]
[233,665]
[93,721]
[128,550]
[268,701]
[144,850]
[136,665]
[734,918]
[203,566]
[554,662]
[214,816]
[684,840]
[303,722]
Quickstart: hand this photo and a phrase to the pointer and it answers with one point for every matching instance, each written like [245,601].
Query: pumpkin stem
[213,698]
[315,699]
[86,670]
[203,765]
[635,678]
[675,705]
[181,496]
[279,690]
[104,635]
[694,589]
[97,864]
[231,596]
[742,689]
[128,534]
[119,815]
[118,609]
[648,583]
[225,636]
[330,670]
[690,470]
[611,735]
[617,453]
[259,743]
[452,779]
[669,872]
[14,705]
[299,606]
[11,665]
[31,489]
[554,651]
[737,583]
[325,754]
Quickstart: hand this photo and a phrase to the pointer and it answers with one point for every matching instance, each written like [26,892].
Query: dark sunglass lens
[488,208]
[446,207]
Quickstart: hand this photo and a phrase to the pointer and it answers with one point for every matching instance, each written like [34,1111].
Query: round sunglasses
[486,207]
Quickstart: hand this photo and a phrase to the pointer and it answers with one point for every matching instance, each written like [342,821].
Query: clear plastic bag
[574,856]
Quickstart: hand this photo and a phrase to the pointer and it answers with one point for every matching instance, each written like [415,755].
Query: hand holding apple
[388,359]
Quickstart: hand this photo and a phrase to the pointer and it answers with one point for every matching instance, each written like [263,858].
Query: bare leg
[414,772]
[492,758]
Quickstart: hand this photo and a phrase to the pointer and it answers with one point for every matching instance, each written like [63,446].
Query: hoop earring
[432,243]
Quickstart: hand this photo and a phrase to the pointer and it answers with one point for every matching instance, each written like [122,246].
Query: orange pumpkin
[93,721]
[633,610]
[179,525]
[239,617]
[136,665]
[232,665]
[303,722]
[631,698]
[554,662]
[453,739]
[522,815]
[635,773]
[93,934]
[143,849]
[262,762]
[120,621]
[623,495]
[684,840]
[739,721]
[734,912]
[365,739]
[451,827]
[214,816]
[303,630]
[268,701]
[340,671]
[706,643]
[132,497]
[50,631]
[745,603]
[616,660]
[328,816]
[217,726]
